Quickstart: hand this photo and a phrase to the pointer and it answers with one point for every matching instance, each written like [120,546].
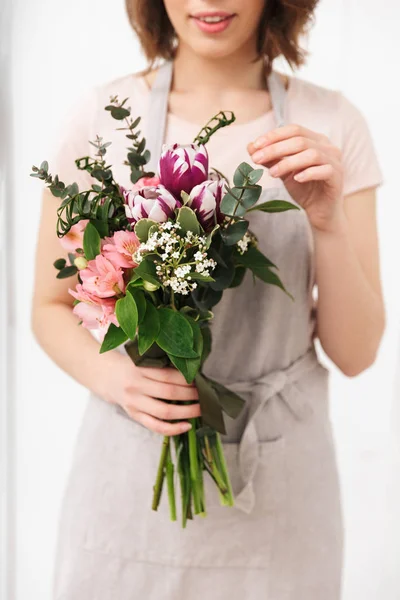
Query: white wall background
[59,50]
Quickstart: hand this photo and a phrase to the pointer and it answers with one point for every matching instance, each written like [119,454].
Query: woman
[284,537]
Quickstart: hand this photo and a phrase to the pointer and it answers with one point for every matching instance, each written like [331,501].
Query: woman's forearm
[72,347]
[351,316]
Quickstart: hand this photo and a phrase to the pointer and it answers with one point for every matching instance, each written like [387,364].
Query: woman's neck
[209,75]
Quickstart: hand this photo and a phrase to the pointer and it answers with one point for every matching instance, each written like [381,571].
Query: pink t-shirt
[318,108]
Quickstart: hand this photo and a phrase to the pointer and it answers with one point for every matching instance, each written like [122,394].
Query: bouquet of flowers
[151,263]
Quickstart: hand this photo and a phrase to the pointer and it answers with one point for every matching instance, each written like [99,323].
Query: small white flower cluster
[172,248]
[244,243]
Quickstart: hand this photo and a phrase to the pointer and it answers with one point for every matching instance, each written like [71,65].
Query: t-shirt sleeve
[362,168]
[72,140]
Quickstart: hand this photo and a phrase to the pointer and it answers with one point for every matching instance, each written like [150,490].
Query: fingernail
[186,427]
[258,156]
[259,143]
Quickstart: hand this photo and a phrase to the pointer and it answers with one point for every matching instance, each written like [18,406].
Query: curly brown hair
[281,25]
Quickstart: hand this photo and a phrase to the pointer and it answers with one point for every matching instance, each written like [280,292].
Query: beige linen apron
[283,540]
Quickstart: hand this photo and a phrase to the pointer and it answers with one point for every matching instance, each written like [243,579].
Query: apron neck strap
[158,108]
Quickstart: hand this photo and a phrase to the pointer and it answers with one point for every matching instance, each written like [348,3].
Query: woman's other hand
[311,168]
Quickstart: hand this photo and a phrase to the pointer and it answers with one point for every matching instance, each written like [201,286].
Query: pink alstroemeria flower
[74,238]
[182,167]
[94,312]
[155,203]
[205,200]
[119,248]
[102,278]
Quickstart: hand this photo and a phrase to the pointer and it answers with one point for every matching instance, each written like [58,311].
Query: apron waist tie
[263,389]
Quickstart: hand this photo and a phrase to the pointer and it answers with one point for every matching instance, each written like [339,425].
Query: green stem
[219,480]
[170,483]
[201,480]
[228,498]
[160,473]
[180,450]
[194,466]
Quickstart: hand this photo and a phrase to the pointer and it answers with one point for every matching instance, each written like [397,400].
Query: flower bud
[80,262]
[182,167]
[150,287]
[155,203]
[205,200]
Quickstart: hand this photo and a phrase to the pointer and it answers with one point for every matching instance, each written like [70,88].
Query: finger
[165,410]
[282,133]
[161,427]
[168,391]
[298,162]
[320,173]
[276,151]
[167,374]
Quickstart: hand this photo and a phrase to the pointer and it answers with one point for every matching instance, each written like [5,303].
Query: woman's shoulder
[123,86]
[306,96]
[322,108]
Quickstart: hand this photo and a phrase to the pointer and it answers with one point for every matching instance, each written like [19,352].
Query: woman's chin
[214,51]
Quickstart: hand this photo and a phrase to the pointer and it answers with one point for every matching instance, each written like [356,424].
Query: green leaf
[113,338]
[251,195]
[238,277]
[232,404]
[44,166]
[142,146]
[242,173]
[119,113]
[153,357]
[268,276]
[223,276]
[67,272]
[142,228]
[140,300]
[188,220]
[147,271]
[91,241]
[185,197]
[252,258]
[273,206]
[176,334]
[211,412]
[207,342]
[101,226]
[231,203]
[232,234]
[149,328]
[59,263]
[127,315]
[206,298]
[201,277]
[255,176]
[211,235]
[189,367]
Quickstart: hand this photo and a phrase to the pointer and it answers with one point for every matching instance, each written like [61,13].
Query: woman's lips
[213,27]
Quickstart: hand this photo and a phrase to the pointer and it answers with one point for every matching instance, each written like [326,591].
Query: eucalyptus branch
[222,120]
[138,156]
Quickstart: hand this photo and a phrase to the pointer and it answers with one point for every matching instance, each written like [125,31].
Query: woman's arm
[350,308]
[350,311]
[55,327]
[111,375]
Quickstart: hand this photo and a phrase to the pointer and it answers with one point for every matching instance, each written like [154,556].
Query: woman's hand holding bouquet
[152,261]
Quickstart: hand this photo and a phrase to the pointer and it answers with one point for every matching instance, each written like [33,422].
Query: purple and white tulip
[154,202]
[182,167]
[205,200]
